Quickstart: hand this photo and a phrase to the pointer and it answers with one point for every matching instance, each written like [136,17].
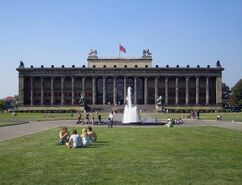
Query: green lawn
[226,116]
[36,116]
[180,155]
[8,122]
[40,116]
[5,117]
[203,116]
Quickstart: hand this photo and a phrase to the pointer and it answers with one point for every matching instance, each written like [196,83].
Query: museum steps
[119,108]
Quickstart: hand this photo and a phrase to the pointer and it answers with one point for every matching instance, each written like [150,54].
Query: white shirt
[76,140]
[110,116]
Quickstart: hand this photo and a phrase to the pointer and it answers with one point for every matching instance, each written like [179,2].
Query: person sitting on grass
[169,122]
[91,134]
[75,140]
[79,118]
[64,136]
[86,141]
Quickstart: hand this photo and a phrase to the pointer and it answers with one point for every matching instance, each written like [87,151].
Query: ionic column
[166,90]
[125,89]
[187,90]
[21,90]
[218,90]
[62,90]
[135,90]
[146,91]
[104,90]
[156,89]
[177,91]
[72,90]
[31,91]
[197,90]
[114,91]
[41,91]
[93,90]
[83,86]
[52,90]
[207,91]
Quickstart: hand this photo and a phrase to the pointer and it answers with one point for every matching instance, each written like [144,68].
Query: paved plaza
[10,132]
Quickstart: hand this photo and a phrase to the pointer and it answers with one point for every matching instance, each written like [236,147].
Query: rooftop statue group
[93,53]
[146,53]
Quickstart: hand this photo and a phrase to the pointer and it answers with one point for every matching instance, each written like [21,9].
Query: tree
[236,97]
[225,91]
[3,104]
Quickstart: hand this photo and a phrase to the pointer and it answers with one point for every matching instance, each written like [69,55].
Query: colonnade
[23,95]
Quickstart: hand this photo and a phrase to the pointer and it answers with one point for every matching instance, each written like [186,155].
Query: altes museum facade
[105,81]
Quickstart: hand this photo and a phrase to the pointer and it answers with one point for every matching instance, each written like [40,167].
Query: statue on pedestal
[159,100]
[82,99]
[21,65]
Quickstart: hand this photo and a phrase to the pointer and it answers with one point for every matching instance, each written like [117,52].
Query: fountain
[131,116]
[130,112]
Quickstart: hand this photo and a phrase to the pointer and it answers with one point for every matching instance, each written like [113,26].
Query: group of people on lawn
[173,121]
[75,140]
[88,118]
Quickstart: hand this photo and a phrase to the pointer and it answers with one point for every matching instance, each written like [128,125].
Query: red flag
[121,48]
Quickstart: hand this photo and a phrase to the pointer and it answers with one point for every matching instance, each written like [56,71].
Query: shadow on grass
[97,144]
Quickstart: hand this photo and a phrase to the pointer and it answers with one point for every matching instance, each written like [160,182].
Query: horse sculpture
[146,53]
[92,53]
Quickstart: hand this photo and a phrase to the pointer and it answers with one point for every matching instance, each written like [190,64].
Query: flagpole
[119,50]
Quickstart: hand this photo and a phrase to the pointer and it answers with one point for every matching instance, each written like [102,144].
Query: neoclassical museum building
[105,81]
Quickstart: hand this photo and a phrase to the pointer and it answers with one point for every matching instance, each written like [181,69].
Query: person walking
[99,119]
[110,119]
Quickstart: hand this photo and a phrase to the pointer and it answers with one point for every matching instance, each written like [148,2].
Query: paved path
[10,132]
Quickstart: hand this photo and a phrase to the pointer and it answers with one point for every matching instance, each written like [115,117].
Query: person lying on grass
[75,140]
[64,136]
[86,141]
[92,134]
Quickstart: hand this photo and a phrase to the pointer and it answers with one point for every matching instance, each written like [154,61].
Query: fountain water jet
[130,112]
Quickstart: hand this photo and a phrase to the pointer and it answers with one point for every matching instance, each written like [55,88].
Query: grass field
[180,155]
[203,116]
[8,122]
[66,116]
[36,116]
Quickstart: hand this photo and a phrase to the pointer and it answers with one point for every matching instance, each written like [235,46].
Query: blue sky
[61,32]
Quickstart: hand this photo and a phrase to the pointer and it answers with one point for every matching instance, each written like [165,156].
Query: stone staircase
[119,108]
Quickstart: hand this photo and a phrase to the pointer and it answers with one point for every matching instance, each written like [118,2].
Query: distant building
[105,81]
